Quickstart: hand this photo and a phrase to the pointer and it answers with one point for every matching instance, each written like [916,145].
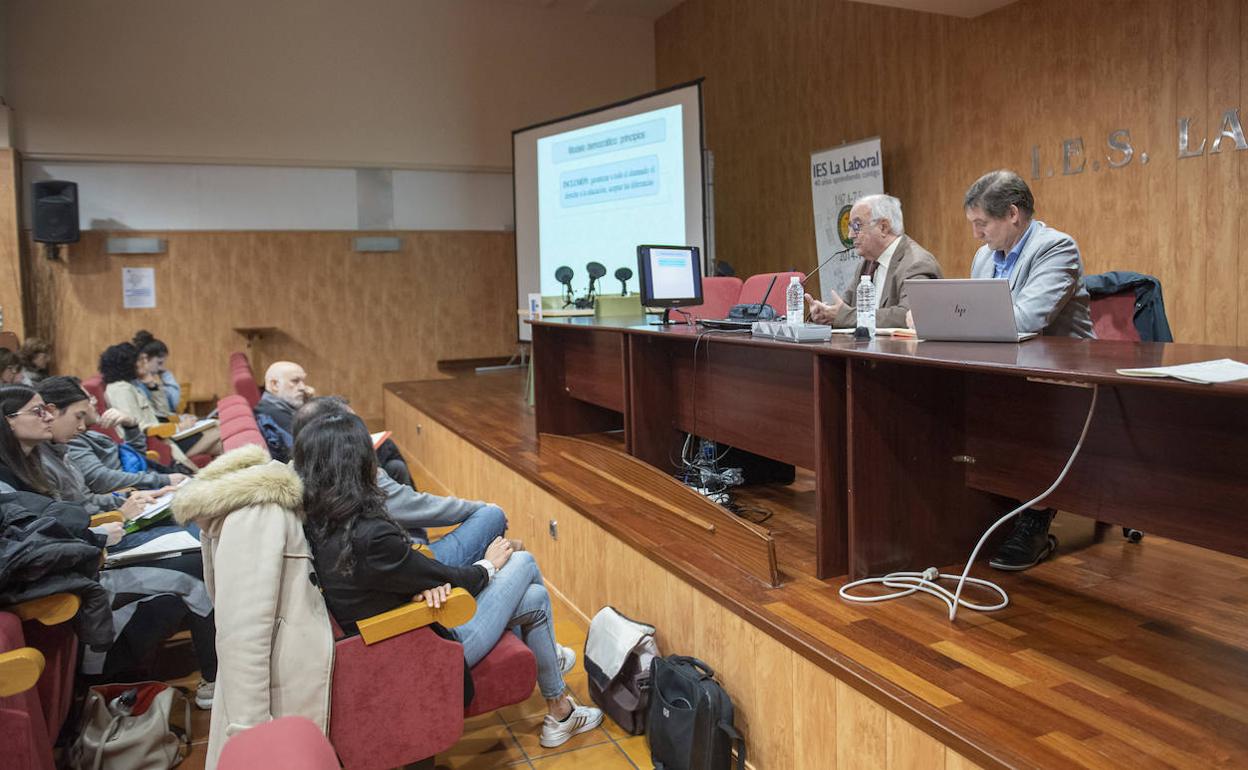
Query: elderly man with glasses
[890,258]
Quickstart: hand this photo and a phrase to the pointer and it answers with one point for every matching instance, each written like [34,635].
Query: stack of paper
[1201,372]
[171,544]
[198,427]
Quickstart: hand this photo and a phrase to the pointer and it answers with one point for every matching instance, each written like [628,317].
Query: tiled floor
[509,737]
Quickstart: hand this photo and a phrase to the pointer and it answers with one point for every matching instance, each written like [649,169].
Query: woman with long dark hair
[160,381]
[366,566]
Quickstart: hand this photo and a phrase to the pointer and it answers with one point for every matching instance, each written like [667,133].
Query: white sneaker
[556,732]
[567,658]
[204,693]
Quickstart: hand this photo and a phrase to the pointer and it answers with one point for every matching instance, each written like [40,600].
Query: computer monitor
[670,276]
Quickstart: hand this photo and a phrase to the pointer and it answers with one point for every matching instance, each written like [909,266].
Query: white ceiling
[965,8]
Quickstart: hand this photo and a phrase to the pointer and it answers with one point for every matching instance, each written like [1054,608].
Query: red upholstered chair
[1113,316]
[243,378]
[719,294]
[756,286]
[38,656]
[289,743]
[238,424]
[398,687]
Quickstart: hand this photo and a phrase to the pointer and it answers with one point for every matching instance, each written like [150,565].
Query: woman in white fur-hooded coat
[274,639]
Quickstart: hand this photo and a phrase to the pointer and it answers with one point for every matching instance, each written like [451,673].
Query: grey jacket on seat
[1046,285]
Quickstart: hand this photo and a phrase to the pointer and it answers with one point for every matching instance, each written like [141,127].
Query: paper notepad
[379,438]
[171,544]
[155,512]
[1201,372]
[198,427]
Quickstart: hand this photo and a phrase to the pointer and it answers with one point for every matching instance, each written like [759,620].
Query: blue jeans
[468,541]
[515,597]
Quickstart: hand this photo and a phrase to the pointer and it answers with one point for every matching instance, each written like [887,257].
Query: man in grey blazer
[889,256]
[1045,273]
[1042,265]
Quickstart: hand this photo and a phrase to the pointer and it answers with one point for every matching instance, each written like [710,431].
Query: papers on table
[172,544]
[1201,372]
[198,427]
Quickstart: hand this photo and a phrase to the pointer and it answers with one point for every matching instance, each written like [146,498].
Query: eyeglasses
[856,225]
[38,410]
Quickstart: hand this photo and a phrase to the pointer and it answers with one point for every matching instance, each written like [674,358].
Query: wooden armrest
[19,670]
[48,610]
[424,550]
[457,610]
[107,517]
[164,430]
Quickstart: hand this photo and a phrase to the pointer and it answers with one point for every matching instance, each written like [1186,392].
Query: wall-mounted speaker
[55,215]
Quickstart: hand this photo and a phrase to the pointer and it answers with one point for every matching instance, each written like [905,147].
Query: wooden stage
[1111,654]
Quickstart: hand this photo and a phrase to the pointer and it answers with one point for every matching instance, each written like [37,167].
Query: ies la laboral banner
[838,177]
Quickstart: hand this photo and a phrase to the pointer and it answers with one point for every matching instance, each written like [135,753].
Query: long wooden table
[917,446]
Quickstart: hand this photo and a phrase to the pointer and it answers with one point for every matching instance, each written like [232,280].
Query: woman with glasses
[150,601]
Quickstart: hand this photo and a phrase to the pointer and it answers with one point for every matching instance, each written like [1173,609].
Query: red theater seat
[289,743]
[719,294]
[755,287]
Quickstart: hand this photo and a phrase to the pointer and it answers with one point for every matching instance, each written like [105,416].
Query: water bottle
[795,306]
[866,309]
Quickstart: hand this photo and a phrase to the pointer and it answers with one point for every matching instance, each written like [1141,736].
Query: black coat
[45,549]
[386,574]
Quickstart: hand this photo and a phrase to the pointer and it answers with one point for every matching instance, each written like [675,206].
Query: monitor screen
[670,276]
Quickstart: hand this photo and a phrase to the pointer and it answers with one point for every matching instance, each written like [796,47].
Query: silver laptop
[963,310]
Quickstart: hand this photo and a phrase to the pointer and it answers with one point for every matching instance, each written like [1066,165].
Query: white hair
[885,207]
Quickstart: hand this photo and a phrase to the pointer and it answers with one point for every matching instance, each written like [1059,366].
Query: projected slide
[605,188]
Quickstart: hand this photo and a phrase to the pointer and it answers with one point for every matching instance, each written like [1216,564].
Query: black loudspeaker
[55,212]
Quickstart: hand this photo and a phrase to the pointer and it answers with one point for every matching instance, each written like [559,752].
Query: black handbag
[690,726]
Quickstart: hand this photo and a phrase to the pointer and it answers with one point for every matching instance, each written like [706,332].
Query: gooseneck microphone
[824,262]
[564,275]
[623,275]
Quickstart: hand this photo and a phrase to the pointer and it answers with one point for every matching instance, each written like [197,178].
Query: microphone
[564,276]
[622,275]
[596,270]
[824,262]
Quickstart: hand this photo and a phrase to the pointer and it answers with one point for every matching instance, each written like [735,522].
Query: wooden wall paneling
[354,321]
[1222,302]
[1242,162]
[11,273]
[950,102]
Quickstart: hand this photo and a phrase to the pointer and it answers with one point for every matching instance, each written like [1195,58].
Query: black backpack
[690,722]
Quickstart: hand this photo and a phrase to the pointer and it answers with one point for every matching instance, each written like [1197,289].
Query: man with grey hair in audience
[890,258]
[1043,265]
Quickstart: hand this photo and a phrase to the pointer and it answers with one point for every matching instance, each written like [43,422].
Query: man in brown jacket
[889,256]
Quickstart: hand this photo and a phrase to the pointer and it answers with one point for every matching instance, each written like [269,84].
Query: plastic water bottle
[795,305]
[866,309]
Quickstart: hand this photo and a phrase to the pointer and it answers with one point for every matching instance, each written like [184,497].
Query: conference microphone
[623,275]
[563,275]
[824,262]
[596,270]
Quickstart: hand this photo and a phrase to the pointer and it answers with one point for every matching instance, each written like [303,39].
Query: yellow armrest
[164,430]
[48,610]
[424,550]
[107,517]
[152,455]
[19,670]
[457,610]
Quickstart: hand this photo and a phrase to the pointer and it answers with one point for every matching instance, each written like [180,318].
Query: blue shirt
[1002,263]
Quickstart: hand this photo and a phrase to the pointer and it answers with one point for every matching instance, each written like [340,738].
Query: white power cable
[911,582]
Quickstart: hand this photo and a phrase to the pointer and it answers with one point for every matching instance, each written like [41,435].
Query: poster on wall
[838,177]
[138,287]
